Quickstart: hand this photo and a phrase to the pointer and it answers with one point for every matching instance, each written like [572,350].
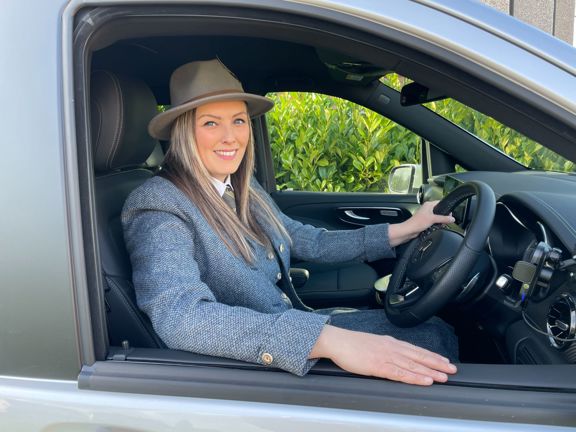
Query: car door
[187,391]
[331,162]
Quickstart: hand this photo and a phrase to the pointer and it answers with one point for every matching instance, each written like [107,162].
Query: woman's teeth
[226,153]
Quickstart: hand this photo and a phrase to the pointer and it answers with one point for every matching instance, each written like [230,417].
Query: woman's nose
[228,134]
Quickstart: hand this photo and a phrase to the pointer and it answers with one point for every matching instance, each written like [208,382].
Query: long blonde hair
[185,169]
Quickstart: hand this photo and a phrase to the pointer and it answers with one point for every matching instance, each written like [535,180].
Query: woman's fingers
[428,210]
[407,370]
[397,373]
[413,365]
[421,369]
[427,358]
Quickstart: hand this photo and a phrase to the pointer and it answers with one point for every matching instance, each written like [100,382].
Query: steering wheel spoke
[408,294]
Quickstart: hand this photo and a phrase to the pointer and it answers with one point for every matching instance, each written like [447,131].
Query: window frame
[327,386]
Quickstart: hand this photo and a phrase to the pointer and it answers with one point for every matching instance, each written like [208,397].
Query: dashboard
[531,293]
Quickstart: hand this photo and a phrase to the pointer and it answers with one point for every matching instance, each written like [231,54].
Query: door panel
[331,162]
[343,284]
[345,210]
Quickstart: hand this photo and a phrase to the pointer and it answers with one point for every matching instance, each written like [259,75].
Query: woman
[207,268]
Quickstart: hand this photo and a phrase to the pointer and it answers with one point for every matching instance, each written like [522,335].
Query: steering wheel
[428,274]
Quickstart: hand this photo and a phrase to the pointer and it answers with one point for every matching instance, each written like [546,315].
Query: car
[475,105]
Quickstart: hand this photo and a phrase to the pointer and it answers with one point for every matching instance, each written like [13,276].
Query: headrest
[121,109]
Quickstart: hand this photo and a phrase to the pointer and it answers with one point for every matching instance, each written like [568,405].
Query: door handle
[367,215]
[352,215]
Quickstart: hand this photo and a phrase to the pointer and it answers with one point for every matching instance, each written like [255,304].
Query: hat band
[207,95]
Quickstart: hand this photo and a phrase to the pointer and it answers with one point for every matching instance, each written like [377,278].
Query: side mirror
[405,179]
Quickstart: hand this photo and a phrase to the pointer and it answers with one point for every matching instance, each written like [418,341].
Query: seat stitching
[118,132]
[98,108]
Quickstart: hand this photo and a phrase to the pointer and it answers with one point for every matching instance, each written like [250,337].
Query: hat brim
[161,125]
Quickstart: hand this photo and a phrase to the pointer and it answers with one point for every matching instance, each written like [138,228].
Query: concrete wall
[552,16]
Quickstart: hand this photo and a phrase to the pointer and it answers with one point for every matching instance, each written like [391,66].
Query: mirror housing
[405,178]
[416,94]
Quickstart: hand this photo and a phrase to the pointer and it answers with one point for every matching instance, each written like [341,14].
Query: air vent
[561,321]
[570,354]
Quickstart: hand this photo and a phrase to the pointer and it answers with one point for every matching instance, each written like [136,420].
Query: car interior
[129,57]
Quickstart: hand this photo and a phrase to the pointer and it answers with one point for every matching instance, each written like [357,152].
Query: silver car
[449,98]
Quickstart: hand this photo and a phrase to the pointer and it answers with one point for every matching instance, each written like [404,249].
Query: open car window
[148,43]
[324,143]
[514,144]
[511,142]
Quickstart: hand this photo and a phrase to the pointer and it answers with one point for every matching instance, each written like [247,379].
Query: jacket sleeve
[310,243]
[186,314]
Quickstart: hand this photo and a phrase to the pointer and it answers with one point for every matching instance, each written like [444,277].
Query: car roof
[530,38]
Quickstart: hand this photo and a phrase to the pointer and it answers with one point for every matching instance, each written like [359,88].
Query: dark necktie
[228,197]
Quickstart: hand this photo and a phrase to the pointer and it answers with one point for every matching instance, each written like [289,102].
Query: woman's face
[222,132]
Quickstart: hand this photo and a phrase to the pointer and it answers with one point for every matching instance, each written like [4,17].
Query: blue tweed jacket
[202,298]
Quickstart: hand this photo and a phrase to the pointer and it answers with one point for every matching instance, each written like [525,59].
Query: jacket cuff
[377,242]
[288,343]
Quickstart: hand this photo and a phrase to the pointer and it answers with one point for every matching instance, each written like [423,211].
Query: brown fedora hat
[198,83]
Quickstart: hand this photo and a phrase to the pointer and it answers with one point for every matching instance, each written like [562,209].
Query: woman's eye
[239,121]
[210,123]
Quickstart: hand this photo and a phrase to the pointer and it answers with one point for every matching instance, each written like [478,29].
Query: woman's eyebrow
[219,118]
[209,115]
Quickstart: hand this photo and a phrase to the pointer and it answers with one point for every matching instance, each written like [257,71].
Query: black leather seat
[121,108]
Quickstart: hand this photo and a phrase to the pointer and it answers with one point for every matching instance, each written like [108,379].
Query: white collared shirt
[221,186]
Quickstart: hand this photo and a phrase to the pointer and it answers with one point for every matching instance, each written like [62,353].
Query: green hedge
[524,150]
[328,144]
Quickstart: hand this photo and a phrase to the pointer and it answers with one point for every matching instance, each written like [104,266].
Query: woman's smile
[226,154]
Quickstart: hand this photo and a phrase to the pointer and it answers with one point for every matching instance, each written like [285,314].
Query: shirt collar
[221,186]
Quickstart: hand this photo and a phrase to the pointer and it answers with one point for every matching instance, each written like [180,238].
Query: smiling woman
[211,150]
[209,113]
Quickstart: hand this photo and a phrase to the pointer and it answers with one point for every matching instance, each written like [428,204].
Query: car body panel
[39,337]
[61,406]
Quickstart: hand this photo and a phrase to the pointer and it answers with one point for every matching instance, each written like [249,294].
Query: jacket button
[267,358]
[281,247]
[279,276]
[270,255]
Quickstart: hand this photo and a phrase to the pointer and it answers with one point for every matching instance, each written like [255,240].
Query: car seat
[121,108]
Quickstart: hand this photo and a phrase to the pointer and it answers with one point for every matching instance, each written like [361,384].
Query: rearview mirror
[416,94]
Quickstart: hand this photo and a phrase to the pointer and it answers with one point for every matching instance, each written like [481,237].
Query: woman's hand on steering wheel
[423,219]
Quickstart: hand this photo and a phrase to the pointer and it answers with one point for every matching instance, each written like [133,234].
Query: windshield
[520,148]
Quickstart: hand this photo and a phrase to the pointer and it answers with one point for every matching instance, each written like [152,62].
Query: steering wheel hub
[432,252]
